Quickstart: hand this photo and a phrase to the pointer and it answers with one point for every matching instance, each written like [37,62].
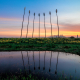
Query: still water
[47,64]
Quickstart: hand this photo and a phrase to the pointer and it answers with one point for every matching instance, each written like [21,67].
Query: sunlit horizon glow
[11,16]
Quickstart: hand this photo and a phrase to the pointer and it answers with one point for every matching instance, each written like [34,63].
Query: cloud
[15,30]
[70,27]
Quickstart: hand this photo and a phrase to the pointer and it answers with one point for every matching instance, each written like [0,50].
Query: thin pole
[44,24]
[22,22]
[57,23]
[33,25]
[50,23]
[28,25]
[39,24]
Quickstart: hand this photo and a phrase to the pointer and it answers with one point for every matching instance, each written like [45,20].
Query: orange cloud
[17,33]
[9,19]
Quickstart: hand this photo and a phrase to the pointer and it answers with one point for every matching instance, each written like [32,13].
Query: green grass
[30,77]
[42,44]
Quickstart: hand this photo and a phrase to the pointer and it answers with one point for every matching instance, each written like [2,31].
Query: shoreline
[67,45]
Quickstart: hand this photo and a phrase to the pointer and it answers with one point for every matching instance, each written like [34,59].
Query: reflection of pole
[39,24]
[22,22]
[57,23]
[33,25]
[44,61]
[33,60]
[57,63]
[28,24]
[28,61]
[50,62]
[28,64]
[39,61]
[27,53]
[23,61]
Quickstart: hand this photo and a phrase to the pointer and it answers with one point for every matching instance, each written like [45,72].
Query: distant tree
[72,37]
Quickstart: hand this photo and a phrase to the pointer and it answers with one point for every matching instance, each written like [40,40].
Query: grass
[42,44]
[30,77]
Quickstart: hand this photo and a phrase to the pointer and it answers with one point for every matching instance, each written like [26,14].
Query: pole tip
[39,14]
[49,12]
[24,8]
[44,14]
[56,10]
[34,14]
[29,11]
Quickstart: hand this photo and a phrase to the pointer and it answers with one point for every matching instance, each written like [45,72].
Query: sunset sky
[11,16]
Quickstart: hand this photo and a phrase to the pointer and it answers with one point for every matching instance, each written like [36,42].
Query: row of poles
[39,24]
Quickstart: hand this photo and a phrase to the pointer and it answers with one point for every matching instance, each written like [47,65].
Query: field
[71,45]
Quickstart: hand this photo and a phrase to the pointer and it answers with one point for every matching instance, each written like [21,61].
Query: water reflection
[23,62]
[57,63]
[34,60]
[44,61]
[39,61]
[48,63]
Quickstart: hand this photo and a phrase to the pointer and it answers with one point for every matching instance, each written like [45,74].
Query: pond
[47,64]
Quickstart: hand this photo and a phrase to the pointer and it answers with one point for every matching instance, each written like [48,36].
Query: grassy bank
[30,77]
[42,44]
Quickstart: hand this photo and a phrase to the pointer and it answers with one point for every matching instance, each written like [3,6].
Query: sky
[11,17]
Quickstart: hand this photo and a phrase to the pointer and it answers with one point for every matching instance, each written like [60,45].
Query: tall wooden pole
[28,25]
[39,24]
[50,23]
[57,23]
[33,25]
[44,24]
[22,22]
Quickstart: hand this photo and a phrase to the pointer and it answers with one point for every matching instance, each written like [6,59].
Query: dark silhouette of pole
[44,24]
[28,25]
[39,24]
[33,25]
[50,23]
[22,22]
[57,23]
